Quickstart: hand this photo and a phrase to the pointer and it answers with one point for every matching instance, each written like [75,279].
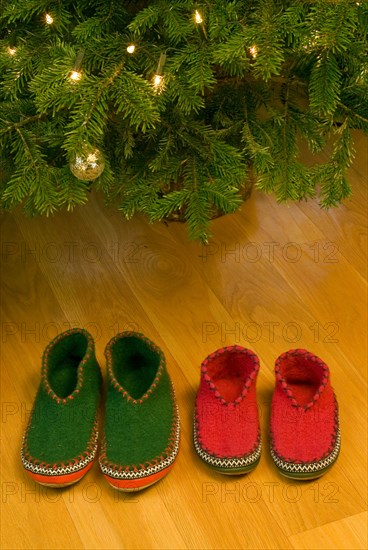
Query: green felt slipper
[60,442]
[142,427]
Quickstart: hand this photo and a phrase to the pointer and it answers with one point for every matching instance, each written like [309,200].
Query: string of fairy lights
[158,80]
[90,162]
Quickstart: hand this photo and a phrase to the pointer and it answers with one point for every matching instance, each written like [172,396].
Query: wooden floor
[273,277]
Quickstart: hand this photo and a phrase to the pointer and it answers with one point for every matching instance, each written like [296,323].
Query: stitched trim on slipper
[220,462]
[118,473]
[151,345]
[308,467]
[68,468]
[313,358]
[330,449]
[89,353]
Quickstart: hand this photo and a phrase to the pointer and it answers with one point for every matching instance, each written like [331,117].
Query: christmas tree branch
[353,114]
[21,123]
[26,147]
[242,81]
[101,90]
[251,79]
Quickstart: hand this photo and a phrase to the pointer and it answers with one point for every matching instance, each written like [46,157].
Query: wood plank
[349,533]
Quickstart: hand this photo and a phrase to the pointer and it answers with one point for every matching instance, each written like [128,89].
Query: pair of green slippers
[141,427]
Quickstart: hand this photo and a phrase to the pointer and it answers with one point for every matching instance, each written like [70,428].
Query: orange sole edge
[61,480]
[137,484]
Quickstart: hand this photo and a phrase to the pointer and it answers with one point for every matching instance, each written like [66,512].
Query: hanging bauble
[88,165]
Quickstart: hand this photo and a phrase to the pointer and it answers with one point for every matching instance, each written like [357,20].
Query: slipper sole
[130,485]
[60,480]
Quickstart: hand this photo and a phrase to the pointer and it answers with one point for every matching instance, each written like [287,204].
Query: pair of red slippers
[304,423]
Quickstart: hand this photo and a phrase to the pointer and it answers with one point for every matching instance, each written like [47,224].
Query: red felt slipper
[226,427]
[305,436]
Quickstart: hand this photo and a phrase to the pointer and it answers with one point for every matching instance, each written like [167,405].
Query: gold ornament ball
[89,165]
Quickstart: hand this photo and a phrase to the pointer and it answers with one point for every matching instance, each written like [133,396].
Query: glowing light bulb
[49,19]
[75,76]
[158,82]
[198,18]
[253,50]
[131,48]
[12,51]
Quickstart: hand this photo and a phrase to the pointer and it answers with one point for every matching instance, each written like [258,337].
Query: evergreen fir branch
[226,199]
[126,142]
[179,91]
[225,19]
[288,178]
[169,203]
[194,64]
[260,154]
[355,119]
[98,102]
[177,26]
[315,132]
[241,88]
[229,129]
[362,19]
[72,191]
[334,186]
[102,53]
[38,185]
[14,83]
[44,193]
[331,176]
[177,62]
[91,28]
[126,94]
[53,90]
[90,115]
[10,126]
[17,187]
[325,83]
[354,65]
[231,55]
[266,37]
[15,110]
[167,147]
[263,130]
[190,135]
[224,157]
[33,11]
[26,150]
[343,150]
[333,25]
[106,180]
[50,136]
[130,194]
[207,192]
[145,19]
[197,208]
[137,194]
[32,176]
[196,201]
[133,98]
[24,11]
[354,101]
[293,24]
